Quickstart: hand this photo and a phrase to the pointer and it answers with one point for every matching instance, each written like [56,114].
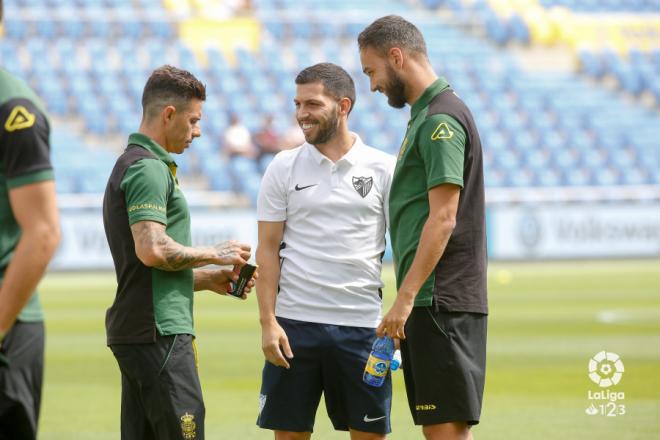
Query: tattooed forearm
[178,259]
[167,254]
[157,249]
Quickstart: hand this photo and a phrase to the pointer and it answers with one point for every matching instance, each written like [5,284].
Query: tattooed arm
[157,249]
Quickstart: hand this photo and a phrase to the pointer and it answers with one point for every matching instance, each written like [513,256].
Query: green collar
[151,145]
[431,91]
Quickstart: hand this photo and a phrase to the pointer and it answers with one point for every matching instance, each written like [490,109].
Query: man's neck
[421,76]
[150,132]
[338,146]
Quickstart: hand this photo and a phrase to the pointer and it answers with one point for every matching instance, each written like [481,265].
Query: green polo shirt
[432,153]
[24,159]
[143,187]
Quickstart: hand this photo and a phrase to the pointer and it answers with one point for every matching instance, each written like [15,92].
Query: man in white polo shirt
[322,212]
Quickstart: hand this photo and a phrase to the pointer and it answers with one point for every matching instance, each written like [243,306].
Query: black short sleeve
[24,145]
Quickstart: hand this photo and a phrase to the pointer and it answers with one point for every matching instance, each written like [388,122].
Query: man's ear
[395,57]
[168,113]
[345,105]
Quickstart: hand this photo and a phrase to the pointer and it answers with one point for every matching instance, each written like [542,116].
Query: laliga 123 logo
[605,370]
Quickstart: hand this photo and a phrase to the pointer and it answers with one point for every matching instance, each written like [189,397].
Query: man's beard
[395,89]
[326,129]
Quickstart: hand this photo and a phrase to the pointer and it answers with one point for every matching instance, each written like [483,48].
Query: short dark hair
[169,85]
[392,31]
[336,81]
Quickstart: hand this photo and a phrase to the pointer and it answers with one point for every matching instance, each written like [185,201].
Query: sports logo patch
[363,185]
[19,118]
[188,426]
[442,131]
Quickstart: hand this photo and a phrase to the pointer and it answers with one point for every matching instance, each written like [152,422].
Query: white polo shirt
[335,218]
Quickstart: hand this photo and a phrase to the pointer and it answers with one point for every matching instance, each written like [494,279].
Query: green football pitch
[547,321]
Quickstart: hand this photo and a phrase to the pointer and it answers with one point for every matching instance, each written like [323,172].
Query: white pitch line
[611,316]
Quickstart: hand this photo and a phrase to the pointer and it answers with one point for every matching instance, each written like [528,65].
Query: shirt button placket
[334,179]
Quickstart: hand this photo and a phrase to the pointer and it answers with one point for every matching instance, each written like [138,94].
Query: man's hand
[394,321]
[273,343]
[219,281]
[231,252]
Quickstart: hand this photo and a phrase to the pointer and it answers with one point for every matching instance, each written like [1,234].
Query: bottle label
[377,366]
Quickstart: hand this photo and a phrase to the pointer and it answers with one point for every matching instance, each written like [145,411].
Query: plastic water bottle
[396,360]
[379,360]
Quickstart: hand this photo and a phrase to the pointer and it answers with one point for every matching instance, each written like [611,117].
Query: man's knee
[290,435]
[447,431]
[361,435]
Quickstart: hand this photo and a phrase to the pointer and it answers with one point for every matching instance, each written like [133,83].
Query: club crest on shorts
[363,185]
[188,426]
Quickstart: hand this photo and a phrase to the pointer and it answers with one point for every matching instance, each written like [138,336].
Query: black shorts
[161,397]
[20,382]
[444,364]
[328,359]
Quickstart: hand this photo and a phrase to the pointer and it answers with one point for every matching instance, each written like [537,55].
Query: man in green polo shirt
[438,234]
[147,223]
[29,235]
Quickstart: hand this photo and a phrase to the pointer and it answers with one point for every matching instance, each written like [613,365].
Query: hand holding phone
[244,277]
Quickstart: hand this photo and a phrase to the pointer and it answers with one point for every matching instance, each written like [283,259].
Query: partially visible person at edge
[29,235]
[322,214]
[147,225]
[438,234]
[267,139]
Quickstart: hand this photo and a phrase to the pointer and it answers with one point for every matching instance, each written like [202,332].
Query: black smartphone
[244,277]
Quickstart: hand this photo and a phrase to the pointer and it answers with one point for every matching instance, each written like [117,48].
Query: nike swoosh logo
[367,419]
[300,188]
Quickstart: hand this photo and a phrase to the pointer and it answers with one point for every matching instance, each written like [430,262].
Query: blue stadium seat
[131,28]
[15,29]
[265,161]
[160,29]
[548,177]
[220,177]
[634,176]
[577,177]
[250,186]
[276,28]
[494,178]
[521,178]
[65,183]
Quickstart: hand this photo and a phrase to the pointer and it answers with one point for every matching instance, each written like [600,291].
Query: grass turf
[547,320]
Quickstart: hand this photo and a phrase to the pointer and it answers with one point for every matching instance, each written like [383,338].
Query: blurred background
[566,96]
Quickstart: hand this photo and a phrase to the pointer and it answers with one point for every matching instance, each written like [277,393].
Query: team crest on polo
[363,185]
[188,426]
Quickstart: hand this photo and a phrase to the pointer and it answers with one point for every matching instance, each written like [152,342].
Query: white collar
[350,157]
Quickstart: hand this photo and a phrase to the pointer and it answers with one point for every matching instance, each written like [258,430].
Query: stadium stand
[539,129]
